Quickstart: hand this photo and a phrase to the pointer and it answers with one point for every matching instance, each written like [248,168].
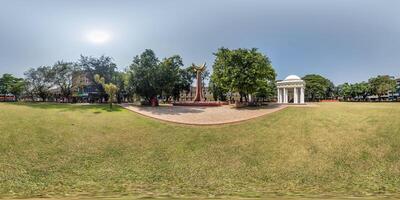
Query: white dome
[292,77]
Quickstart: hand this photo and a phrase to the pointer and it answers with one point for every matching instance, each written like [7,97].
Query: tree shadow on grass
[168,110]
[269,106]
[66,107]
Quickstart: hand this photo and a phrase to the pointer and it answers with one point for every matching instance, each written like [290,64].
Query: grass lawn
[69,150]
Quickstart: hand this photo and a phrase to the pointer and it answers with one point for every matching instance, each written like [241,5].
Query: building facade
[291,90]
[84,89]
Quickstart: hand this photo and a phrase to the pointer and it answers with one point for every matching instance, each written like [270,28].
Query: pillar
[302,95]
[285,95]
[295,96]
[279,95]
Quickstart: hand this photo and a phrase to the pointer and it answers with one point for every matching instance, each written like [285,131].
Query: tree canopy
[143,72]
[11,85]
[63,75]
[150,78]
[242,70]
[381,85]
[39,81]
[317,87]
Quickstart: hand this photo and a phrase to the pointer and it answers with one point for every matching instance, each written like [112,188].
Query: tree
[184,82]
[360,90]
[103,66]
[381,85]
[109,88]
[266,92]
[40,81]
[11,85]
[219,93]
[63,74]
[242,70]
[143,75]
[169,75]
[344,90]
[318,87]
[120,80]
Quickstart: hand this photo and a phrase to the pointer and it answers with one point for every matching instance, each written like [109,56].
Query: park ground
[334,149]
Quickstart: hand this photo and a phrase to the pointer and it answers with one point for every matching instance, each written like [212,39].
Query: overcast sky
[346,41]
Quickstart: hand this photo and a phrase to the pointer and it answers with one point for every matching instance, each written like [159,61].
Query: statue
[199,70]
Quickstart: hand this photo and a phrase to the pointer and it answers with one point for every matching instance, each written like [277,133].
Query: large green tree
[144,75]
[219,93]
[169,75]
[103,66]
[63,76]
[345,90]
[360,90]
[242,70]
[149,78]
[382,85]
[39,81]
[318,87]
[184,82]
[11,85]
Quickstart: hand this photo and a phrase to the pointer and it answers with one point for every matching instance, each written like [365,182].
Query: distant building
[7,97]
[390,95]
[84,89]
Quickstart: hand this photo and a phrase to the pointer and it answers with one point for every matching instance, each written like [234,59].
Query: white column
[302,95]
[295,96]
[279,95]
[285,95]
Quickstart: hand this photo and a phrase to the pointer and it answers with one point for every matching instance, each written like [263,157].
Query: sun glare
[98,37]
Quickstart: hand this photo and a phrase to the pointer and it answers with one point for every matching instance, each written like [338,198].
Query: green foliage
[110,89]
[121,81]
[143,75]
[63,76]
[169,76]
[318,87]
[242,70]
[345,91]
[150,78]
[267,91]
[103,66]
[360,90]
[381,85]
[11,85]
[39,81]
[184,82]
[219,93]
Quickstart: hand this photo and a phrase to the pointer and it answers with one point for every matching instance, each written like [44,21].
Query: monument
[199,70]
[198,99]
[291,90]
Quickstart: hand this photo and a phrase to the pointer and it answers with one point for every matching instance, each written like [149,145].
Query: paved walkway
[203,115]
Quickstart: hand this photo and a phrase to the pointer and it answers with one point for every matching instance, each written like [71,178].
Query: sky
[345,41]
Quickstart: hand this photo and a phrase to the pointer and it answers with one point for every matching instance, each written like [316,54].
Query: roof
[290,81]
[292,77]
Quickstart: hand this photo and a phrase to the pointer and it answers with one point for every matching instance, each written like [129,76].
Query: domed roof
[292,77]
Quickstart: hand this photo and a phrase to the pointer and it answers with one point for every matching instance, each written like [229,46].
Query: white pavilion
[291,90]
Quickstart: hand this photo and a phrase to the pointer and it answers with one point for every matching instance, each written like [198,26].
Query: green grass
[68,150]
